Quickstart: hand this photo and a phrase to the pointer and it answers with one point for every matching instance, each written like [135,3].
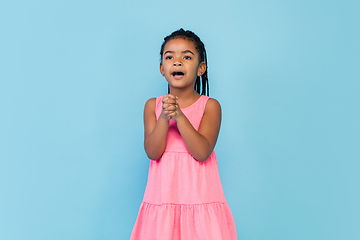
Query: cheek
[196,68]
[166,65]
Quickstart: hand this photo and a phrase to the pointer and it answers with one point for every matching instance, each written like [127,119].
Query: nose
[177,62]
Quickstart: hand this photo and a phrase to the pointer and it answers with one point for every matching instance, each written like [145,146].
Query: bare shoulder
[149,109]
[150,104]
[212,105]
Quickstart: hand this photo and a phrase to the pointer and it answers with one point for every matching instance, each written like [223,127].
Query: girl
[184,199]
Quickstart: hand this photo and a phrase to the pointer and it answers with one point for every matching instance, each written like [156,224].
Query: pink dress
[184,199]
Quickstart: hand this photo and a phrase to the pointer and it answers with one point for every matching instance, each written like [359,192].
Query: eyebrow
[186,51]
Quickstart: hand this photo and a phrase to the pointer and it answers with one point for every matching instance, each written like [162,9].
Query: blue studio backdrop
[74,77]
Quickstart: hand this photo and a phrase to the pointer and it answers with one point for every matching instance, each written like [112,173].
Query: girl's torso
[176,177]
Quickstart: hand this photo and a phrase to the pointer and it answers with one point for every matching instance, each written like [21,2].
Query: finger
[172,114]
[170,108]
[173,101]
[169,100]
[170,97]
[167,105]
[165,97]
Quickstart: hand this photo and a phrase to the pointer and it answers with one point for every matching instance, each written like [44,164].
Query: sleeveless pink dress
[184,199]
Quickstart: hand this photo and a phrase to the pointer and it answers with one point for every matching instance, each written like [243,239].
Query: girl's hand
[177,113]
[169,106]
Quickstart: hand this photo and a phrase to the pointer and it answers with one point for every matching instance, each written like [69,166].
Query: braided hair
[202,81]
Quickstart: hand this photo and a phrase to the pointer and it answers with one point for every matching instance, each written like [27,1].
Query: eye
[187,57]
[168,57]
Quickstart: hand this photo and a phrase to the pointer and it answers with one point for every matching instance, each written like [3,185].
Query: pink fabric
[184,199]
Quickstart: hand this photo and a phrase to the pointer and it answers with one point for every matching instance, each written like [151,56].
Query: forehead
[180,44]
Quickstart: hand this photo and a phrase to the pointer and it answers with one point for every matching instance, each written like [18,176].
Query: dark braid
[199,46]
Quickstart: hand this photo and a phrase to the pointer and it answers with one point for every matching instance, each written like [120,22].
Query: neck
[183,93]
[186,97]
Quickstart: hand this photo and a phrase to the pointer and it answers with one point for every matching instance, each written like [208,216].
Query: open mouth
[175,74]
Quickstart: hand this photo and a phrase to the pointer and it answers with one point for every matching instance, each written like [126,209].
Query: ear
[201,68]
[162,69]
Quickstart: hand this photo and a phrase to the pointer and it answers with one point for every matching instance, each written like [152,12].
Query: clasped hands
[170,108]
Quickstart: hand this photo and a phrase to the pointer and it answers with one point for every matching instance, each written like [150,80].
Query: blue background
[74,79]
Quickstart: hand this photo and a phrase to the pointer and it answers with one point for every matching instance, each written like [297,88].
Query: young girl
[184,199]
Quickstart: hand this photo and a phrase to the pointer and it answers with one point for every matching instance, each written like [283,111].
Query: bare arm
[201,143]
[156,130]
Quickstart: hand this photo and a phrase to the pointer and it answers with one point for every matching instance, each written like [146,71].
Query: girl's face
[180,63]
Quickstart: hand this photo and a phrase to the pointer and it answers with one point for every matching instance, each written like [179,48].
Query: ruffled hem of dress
[210,221]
